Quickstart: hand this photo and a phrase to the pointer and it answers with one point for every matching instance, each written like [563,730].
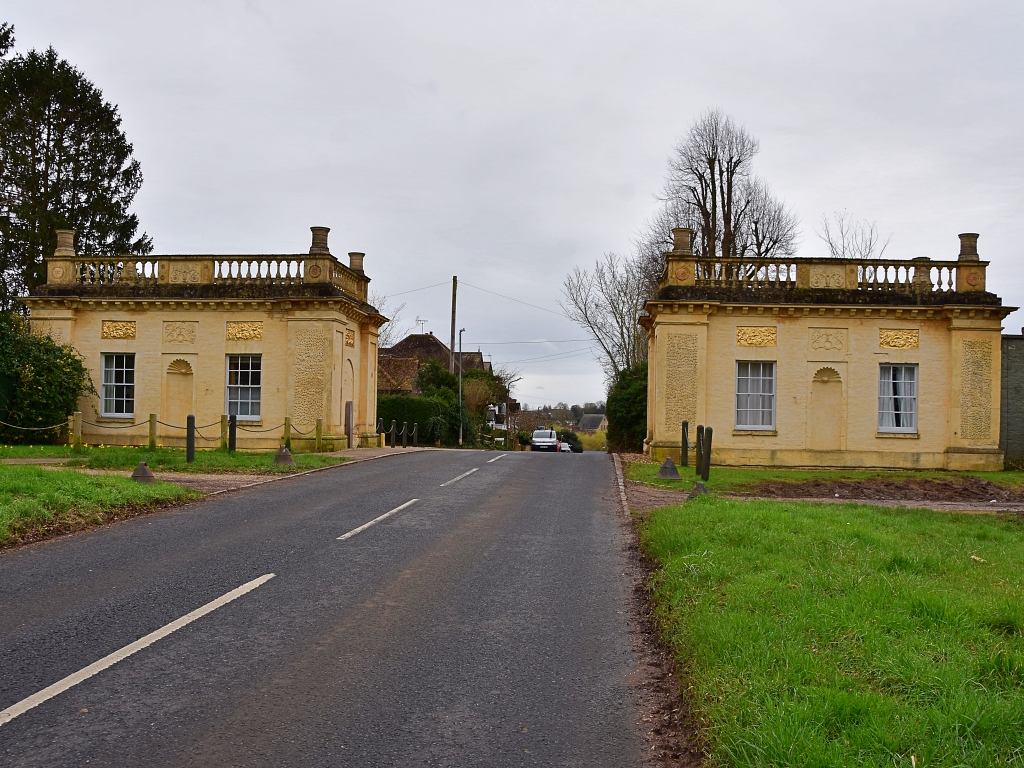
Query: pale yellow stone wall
[310,359]
[695,348]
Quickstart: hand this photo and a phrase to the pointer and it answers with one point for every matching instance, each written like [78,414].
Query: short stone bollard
[668,470]
[284,456]
[143,474]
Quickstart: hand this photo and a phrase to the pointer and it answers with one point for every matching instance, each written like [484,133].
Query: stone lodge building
[263,337]
[827,362]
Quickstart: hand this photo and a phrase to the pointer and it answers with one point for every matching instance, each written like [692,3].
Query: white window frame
[893,406]
[759,394]
[228,387]
[110,385]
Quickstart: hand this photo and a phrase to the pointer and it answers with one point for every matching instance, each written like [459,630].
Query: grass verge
[171,459]
[729,479]
[832,635]
[36,503]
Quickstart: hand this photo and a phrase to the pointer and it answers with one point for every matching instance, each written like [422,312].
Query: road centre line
[110,660]
[491,461]
[375,520]
[456,479]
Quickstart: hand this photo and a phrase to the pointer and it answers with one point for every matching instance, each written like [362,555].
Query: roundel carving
[58,273]
[315,271]
[682,273]
[973,278]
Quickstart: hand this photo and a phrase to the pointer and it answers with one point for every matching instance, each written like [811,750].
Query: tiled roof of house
[397,375]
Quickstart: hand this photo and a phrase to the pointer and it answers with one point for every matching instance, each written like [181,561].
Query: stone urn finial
[968,247]
[65,244]
[319,246]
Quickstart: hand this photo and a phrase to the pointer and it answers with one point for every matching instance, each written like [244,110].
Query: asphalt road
[486,624]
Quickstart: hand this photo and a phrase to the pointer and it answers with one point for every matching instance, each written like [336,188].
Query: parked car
[544,440]
[564,447]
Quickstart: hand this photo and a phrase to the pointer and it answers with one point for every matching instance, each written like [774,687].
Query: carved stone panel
[48,328]
[976,389]
[350,338]
[681,379]
[310,374]
[827,276]
[245,331]
[828,342]
[118,329]
[899,338]
[756,336]
[180,332]
[184,273]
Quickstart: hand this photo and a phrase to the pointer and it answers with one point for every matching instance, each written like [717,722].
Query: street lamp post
[460,386]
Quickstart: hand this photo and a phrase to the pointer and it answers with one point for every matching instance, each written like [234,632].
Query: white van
[544,440]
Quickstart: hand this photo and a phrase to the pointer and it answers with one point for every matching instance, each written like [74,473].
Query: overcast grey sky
[507,143]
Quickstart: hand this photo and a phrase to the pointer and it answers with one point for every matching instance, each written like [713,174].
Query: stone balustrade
[892,276]
[284,270]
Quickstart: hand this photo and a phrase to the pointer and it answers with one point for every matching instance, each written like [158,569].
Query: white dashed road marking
[375,520]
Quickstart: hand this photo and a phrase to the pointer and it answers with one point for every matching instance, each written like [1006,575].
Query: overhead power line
[503,296]
[571,353]
[542,341]
[402,293]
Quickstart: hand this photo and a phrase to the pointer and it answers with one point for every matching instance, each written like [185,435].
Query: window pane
[118,390]
[755,394]
[243,385]
[897,398]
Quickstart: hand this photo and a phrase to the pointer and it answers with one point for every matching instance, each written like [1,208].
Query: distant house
[592,422]
[397,366]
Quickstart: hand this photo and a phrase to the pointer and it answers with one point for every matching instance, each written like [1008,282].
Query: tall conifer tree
[64,164]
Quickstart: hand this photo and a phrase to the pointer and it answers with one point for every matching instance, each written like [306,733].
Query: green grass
[728,479]
[171,459]
[843,635]
[37,502]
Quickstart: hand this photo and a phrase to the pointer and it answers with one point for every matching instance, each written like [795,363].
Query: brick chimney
[968,247]
[355,261]
[65,244]
[319,246]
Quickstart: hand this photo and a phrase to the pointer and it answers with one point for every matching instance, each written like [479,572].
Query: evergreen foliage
[627,409]
[570,437]
[40,382]
[64,164]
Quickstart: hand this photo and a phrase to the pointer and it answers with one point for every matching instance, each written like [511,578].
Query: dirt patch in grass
[643,498]
[957,489]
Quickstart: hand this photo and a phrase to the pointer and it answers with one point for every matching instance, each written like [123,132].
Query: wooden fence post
[223,431]
[288,432]
[152,431]
[76,430]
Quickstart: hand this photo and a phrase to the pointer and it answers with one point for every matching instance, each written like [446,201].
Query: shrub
[437,415]
[41,381]
[570,437]
[627,409]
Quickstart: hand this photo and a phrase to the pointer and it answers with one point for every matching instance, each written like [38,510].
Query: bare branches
[847,238]
[394,330]
[606,304]
[711,189]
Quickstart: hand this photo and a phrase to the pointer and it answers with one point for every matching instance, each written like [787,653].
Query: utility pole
[460,385]
[451,349]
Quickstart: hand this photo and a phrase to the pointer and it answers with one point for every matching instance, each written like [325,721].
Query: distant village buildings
[397,366]
[828,362]
[260,337]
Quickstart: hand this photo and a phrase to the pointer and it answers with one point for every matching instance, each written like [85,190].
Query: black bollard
[699,457]
[706,455]
[405,434]
[190,439]
[685,462]
[232,432]
[416,434]
[394,432]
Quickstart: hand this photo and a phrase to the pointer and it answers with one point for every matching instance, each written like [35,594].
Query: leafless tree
[711,189]
[394,330]
[848,238]
[606,304]
[768,229]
